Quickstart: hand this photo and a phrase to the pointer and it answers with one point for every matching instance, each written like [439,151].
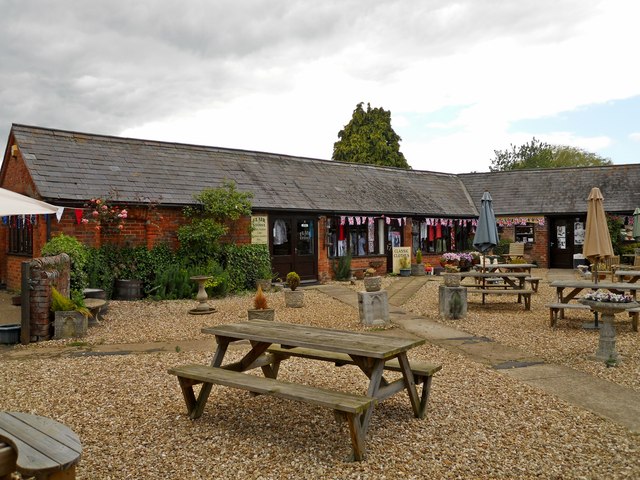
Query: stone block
[69,325]
[374,308]
[452,302]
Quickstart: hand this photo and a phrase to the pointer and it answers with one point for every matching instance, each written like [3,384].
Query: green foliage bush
[245,264]
[503,246]
[293,280]
[79,256]
[342,268]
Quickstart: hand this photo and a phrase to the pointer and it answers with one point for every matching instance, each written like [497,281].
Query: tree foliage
[368,138]
[537,154]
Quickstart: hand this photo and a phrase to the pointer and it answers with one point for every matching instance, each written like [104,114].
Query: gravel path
[131,417]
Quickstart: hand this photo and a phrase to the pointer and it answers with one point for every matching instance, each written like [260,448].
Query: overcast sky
[461,79]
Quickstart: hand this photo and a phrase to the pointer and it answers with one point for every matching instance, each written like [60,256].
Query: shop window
[357,240]
[20,236]
[525,233]
[442,235]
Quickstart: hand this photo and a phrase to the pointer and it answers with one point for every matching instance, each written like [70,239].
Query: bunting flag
[78,212]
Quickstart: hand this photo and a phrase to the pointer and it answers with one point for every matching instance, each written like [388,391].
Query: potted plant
[292,297]
[372,281]
[451,277]
[417,269]
[71,316]
[405,267]
[260,310]
[264,277]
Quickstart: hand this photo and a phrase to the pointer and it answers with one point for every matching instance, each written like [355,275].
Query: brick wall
[44,273]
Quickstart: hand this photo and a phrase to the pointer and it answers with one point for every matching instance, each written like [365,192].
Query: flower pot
[262,314]
[264,283]
[417,270]
[451,279]
[294,298]
[69,324]
[10,334]
[405,272]
[372,284]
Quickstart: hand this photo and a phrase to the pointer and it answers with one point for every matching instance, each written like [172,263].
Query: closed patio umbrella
[12,203]
[636,224]
[486,236]
[597,241]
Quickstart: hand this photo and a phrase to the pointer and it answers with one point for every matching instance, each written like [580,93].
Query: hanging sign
[259,230]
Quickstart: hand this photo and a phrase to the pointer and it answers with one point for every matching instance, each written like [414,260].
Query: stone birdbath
[203,307]
[607,343]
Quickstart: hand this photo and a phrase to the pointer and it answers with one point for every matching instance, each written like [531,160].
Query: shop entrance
[566,237]
[293,246]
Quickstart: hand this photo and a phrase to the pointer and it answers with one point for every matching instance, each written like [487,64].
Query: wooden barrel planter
[128,289]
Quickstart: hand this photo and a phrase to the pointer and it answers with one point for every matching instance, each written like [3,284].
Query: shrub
[419,257]
[79,256]
[60,303]
[342,268]
[245,264]
[293,280]
[260,300]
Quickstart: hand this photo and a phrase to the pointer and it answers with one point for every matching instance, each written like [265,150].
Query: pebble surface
[131,418]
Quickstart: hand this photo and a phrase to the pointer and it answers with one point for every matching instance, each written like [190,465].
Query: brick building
[309,211]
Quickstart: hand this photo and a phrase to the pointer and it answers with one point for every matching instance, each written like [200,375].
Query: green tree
[368,138]
[215,208]
[537,154]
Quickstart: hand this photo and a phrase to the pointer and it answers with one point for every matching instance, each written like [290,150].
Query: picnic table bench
[345,405]
[556,310]
[521,293]
[37,446]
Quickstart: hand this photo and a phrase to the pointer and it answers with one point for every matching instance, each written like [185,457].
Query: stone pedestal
[607,342]
[453,302]
[374,308]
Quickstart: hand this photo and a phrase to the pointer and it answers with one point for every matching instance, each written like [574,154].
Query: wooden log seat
[556,310]
[39,447]
[345,405]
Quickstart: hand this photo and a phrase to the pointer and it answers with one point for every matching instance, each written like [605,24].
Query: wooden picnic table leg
[205,390]
[410,385]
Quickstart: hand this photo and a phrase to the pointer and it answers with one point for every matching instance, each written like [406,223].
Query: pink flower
[105,208]
[98,201]
[85,220]
[95,213]
[120,227]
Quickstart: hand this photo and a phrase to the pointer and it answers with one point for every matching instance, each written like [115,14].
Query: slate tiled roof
[558,190]
[73,167]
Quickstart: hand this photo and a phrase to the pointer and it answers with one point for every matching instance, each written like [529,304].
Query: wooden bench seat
[345,405]
[522,293]
[556,310]
[37,446]
[534,281]
[422,371]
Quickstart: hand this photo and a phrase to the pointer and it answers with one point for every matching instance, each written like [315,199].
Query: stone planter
[372,284]
[417,270]
[69,324]
[405,272]
[264,283]
[10,334]
[294,298]
[451,279]
[264,314]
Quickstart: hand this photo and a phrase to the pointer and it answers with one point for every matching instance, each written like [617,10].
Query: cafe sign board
[259,229]
[398,254]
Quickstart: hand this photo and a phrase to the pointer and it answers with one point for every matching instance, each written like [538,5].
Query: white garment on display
[279,232]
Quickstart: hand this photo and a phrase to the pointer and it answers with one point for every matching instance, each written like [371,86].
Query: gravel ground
[132,420]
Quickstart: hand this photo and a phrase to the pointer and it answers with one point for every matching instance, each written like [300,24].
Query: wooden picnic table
[500,283]
[630,276]
[373,353]
[511,267]
[577,286]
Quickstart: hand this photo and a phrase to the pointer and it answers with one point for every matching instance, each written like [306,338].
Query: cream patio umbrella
[597,241]
[12,203]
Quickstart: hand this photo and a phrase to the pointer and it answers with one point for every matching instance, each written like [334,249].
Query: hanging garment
[279,232]
[439,230]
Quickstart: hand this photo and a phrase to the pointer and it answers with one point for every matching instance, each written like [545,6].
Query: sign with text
[259,230]
[399,253]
